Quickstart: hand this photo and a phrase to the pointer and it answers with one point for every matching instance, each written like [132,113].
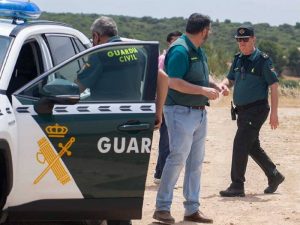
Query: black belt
[259,102]
[202,107]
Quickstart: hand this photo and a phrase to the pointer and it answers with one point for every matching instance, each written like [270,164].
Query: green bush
[289,84]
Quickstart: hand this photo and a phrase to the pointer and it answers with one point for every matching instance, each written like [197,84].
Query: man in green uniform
[190,88]
[101,65]
[104,30]
[252,75]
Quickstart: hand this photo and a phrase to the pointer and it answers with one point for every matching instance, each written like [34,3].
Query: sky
[274,12]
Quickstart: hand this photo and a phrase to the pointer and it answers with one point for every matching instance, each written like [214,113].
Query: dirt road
[282,145]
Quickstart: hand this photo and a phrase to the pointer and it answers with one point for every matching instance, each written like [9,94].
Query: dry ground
[282,145]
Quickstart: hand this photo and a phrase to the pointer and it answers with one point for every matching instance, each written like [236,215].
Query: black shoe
[233,192]
[274,182]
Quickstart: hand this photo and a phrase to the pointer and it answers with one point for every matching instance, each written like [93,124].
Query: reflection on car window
[61,48]
[112,74]
[4,44]
[79,46]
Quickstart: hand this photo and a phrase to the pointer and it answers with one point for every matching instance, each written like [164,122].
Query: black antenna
[14,20]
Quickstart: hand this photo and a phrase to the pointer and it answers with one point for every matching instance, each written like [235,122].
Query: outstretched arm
[274,122]
[161,94]
[228,84]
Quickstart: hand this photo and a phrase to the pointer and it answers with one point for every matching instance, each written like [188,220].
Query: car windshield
[4,45]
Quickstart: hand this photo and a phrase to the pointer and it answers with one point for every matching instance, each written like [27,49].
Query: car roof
[6,27]
[10,29]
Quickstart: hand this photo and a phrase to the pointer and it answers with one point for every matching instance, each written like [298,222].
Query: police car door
[95,150]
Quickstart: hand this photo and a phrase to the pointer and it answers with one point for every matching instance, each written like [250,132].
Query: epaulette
[237,54]
[265,55]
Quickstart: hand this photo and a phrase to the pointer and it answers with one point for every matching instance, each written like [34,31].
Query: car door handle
[134,127]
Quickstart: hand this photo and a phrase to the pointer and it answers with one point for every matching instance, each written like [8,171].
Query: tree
[294,60]
[275,52]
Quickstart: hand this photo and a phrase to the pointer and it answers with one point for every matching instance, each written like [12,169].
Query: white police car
[66,155]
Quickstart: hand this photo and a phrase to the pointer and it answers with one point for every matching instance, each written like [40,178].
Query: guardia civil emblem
[47,154]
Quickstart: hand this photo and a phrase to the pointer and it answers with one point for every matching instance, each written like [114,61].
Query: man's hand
[158,121]
[274,122]
[224,89]
[210,93]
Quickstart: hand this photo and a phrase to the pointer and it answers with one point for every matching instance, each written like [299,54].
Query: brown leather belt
[202,107]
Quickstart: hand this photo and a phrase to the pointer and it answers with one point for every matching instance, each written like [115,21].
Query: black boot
[274,182]
[233,192]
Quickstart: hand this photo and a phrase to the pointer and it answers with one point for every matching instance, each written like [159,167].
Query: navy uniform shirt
[252,76]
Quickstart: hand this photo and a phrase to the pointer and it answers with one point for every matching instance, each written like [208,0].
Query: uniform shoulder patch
[265,55]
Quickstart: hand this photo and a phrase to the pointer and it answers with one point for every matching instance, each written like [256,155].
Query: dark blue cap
[244,31]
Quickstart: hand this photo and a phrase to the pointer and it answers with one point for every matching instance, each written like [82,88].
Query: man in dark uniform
[252,75]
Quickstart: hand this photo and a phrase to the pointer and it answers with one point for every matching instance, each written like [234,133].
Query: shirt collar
[114,39]
[253,55]
[191,45]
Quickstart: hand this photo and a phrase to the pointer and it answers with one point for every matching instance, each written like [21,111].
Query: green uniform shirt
[189,63]
[252,76]
[102,73]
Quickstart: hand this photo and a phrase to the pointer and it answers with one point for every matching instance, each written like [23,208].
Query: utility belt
[239,108]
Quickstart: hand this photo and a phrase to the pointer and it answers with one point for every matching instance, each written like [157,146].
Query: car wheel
[3,184]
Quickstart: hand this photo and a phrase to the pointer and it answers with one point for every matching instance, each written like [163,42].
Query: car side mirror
[58,91]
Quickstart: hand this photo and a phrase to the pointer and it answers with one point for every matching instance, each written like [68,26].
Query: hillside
[280,42]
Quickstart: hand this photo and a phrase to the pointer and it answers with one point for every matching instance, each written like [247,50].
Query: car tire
[3,184]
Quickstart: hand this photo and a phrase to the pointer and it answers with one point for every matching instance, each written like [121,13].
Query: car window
[61,48]
[4,44]
[78,45]
[28,66]
[112,74]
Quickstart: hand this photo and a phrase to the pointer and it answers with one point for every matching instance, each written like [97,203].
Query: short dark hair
[197,23]
[173,34]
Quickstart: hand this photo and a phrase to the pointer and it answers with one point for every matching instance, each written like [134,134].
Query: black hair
[173,34]
[197,23]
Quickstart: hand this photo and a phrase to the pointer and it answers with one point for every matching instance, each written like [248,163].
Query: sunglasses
[242,39]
